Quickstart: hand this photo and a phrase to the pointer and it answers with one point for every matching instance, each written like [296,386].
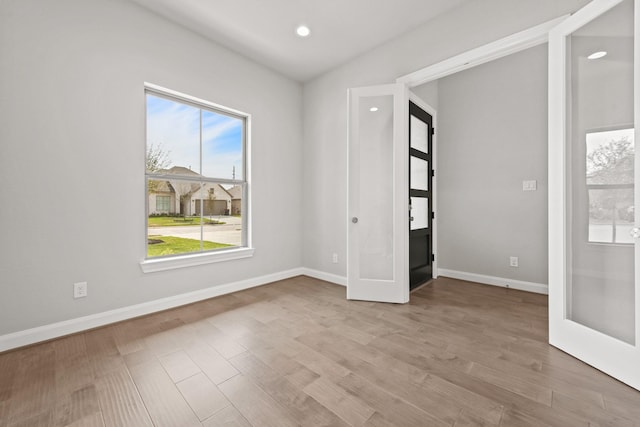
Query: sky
[175,127]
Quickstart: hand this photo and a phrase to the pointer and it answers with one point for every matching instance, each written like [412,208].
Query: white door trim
[503,47]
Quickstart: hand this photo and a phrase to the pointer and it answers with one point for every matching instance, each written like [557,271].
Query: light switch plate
[531,185]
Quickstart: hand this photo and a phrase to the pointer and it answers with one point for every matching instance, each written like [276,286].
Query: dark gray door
[420,196]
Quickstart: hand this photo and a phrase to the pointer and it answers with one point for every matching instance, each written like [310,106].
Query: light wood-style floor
[296,352]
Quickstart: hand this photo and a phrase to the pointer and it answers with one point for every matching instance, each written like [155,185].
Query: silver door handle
[354,220]
[635,232]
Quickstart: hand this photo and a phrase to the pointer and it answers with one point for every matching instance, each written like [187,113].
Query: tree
[612,163]
[157,159]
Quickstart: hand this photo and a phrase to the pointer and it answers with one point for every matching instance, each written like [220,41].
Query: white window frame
[150,265]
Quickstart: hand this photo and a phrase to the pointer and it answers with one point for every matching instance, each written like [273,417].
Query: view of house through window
[610,183]
[195,172]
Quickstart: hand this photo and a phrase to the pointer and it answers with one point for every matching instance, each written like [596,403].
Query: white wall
[72,154]
[492,135]
[325,106]
[428,93]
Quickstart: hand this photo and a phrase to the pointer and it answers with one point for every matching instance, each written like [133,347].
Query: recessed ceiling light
[373,109]
[597,55]
[303,31]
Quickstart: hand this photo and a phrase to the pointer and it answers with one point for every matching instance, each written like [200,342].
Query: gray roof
[235,192]
[162,187]
[179,170]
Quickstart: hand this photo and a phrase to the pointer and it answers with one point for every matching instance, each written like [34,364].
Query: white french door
[593,188]
[377,265]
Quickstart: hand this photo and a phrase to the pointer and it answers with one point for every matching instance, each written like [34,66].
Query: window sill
[161,264]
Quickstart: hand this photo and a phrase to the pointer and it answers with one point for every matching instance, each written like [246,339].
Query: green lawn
[177,245]
[174,221]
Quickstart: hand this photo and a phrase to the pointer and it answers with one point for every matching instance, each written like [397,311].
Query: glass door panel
[375,222]
[419,174]
[419,213]
[419,135]
[601,157]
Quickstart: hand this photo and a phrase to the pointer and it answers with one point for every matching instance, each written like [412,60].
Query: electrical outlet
[80,290]
[531,185]
[513,261]
[334,258]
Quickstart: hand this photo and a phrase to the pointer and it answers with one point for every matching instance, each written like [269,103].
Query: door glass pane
[419,213]
[419,174]
[375,198]
[419,135]
[600,282]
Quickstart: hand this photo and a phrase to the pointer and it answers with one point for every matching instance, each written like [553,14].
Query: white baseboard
[328,277]
[71,326]
[538,288]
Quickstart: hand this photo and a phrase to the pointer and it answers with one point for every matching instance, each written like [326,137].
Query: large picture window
[196,178]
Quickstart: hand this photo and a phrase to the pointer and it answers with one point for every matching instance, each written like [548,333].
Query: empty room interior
[357,213]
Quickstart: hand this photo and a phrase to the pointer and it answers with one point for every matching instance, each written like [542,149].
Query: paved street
[229,233]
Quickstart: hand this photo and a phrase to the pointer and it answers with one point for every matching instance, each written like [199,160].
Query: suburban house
[175,197]
[429,213]
[236,199]
[215,200]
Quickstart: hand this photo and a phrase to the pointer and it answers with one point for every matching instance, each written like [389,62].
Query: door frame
[505,46]
[514,43]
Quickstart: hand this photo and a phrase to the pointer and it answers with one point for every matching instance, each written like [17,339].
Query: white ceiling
[264,30]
